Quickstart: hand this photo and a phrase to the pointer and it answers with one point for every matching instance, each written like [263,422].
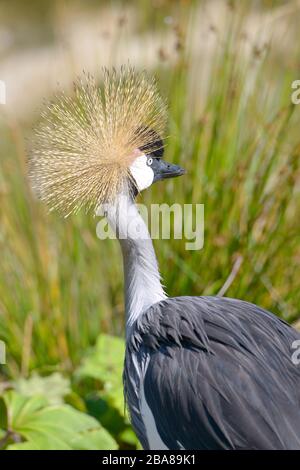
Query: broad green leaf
[129,437]
[48,427]
[23,446]
[105,363]
[54,387]
[117,424]
[19,408]
[94,440]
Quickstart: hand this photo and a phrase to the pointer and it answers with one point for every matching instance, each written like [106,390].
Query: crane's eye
[149,161]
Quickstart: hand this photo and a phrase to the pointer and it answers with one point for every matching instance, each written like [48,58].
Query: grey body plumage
[218,375]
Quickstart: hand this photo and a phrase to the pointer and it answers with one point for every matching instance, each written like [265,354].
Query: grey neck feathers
[142,279]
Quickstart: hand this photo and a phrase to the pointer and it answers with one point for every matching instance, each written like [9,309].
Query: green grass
[60,287]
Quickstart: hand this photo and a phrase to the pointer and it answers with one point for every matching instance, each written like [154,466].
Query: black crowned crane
[200,372]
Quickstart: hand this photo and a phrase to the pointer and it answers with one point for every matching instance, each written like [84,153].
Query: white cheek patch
[142,173]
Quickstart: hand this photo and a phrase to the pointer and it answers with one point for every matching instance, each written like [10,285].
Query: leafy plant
[104,364]
[53,411]
[53,387]
[32,423]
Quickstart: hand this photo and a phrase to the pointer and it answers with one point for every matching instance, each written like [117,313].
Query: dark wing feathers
[219,374]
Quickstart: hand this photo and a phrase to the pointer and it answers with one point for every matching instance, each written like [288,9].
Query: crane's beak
[163,169]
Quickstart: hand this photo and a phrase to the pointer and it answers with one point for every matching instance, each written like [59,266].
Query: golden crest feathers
[85,143]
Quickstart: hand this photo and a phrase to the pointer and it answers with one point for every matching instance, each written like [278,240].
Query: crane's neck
[142,278]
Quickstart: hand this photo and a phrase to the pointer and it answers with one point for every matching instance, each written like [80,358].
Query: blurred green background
[226,69]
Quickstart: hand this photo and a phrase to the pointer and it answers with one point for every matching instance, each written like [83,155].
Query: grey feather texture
[219,375]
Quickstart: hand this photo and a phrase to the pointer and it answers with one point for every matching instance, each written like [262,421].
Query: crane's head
[100,142]
[149,165]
